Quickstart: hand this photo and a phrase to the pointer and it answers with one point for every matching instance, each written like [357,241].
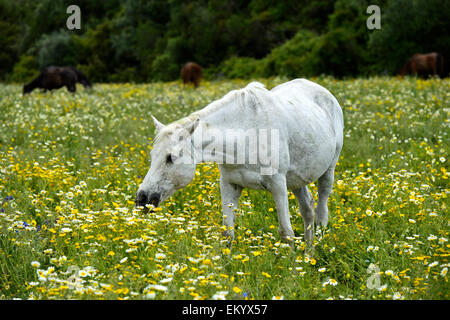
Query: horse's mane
[249,96]
[245,97]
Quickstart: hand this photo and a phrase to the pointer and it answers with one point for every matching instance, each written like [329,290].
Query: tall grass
[70,166]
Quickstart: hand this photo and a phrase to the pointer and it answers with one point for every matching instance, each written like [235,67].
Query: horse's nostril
[154,199]
[141,199]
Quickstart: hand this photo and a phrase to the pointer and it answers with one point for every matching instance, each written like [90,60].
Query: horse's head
[170,169]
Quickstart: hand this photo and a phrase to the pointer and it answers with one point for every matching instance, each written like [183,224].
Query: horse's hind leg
[306,205]
[324,190]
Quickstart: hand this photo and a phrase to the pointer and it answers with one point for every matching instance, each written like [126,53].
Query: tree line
[141,41]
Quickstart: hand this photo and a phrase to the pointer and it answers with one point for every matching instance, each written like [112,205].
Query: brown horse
[56,77]
[191,72]
[424,65]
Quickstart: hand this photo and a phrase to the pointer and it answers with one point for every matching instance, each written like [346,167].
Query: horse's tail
[81,78]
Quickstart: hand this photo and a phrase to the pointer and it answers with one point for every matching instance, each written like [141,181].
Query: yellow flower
[237,290]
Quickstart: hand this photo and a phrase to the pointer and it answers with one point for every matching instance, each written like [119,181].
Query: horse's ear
[158,124]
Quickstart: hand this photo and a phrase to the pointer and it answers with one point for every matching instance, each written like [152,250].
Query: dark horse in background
[191,73]
[56,77]
[424,65]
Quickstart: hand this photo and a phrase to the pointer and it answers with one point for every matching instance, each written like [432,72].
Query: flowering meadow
[70,165]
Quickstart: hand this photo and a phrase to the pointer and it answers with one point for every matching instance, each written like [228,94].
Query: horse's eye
[169,158]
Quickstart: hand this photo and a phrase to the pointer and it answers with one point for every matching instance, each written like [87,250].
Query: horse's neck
[214,120]
[220,113]
[406,68]
[36,83]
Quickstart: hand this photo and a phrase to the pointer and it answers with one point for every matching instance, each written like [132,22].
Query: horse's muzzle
[142,200]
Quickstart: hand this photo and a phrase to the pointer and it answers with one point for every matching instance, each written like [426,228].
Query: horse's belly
[305,174]
[53,83]
[309,159]
[244,176]
[296,179]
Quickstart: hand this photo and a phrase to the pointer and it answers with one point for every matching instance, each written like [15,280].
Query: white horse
[307,125]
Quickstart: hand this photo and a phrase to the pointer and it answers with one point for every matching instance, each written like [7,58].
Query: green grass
[70,166]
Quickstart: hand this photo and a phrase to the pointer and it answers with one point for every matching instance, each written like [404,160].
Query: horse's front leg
[72,88]
[230,194]
[280,195]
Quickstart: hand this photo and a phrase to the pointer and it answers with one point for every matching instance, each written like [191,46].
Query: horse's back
[305,94]
[304,89]
[313,121]
[55,77]
[191,72]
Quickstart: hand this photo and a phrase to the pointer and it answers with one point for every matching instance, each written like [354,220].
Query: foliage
[57,48]
[25,70]
[241,67]
[95,53]
[305,55]
[10,12]
[291,58]
[141,41]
